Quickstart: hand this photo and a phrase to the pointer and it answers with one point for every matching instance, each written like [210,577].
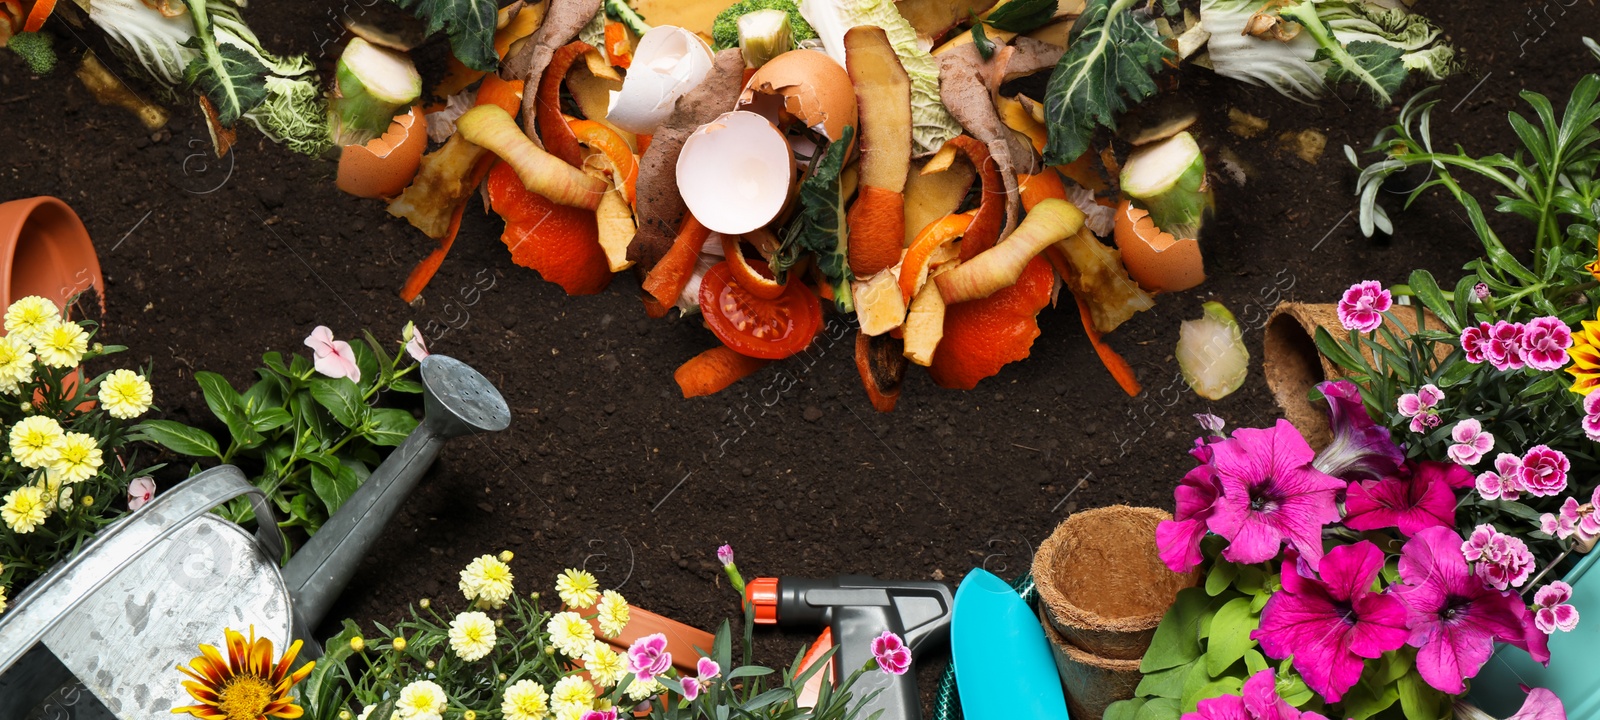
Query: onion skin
[999,267]
[491,127]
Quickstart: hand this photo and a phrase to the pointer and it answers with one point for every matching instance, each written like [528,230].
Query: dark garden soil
[605,465]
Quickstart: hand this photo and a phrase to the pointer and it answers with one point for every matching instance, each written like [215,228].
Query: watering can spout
[457,401]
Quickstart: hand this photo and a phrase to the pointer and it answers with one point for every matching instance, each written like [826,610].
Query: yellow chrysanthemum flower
[25,508]
[422,700]
[16,363]
[125,394]
[572,693]
[79,460]
[525,700]
[570,633]
[577,588]
[36,441]
[2,601]
[61,345]
[27,317]
[606,666]
[471,635]
[487,582]
[1585,354]
[613,613]
[57,494]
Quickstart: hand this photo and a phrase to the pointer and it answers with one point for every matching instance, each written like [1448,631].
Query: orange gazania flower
[248,686]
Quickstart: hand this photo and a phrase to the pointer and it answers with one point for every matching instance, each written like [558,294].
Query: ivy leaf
[469,23]
[1020,16]
[1111,53]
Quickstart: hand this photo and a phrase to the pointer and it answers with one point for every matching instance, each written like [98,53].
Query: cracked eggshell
[1155,259]
[385,164]
[735,172]
[804,85]
[669,62]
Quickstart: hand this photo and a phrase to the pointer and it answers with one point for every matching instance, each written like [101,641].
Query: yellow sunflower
[1585,354]
[247,686]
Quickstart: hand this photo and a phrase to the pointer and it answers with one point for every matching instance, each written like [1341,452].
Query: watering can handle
[55,595]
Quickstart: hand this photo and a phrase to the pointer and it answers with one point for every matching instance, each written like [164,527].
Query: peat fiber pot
[45,251]
[1571,675]
[1293,366]
[1102,591]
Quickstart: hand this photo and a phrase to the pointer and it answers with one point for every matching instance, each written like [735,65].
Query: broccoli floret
[36,49]
[725,31]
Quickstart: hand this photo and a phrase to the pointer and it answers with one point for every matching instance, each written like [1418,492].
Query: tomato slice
[771,329]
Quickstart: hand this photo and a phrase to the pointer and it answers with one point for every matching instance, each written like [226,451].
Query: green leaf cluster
[1112,56]
[820,228]
[470,25]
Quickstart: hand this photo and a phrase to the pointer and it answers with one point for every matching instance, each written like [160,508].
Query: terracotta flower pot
[46,251]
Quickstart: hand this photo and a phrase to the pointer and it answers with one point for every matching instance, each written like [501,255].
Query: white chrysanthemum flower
[640,691]
[16,363]
[570,633]
[125,394]
[572,693]
[79,459]
[606,666]
[422,700]
[57,494]
[29,316]
[61,345]
[471,635]
[2,601]
[25,508]
[36,441]
[487,582]
[577,588]
[613,613]
[525,700]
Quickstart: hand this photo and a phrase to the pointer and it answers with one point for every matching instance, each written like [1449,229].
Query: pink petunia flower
[1454,618]
[1419,497]
[1471,442]
[1330,624]
[1361,448]
[1258,701]
[333,358]
[1362,307]
[1421,406]
[1544,471]
[707,668]
[600,715]
[1591,416]
[1544,343]
[1501,560]
[1271,495]
[1475,342]
[140,491]
[1504,482]
[1504,351]
[1553,612]
[1178,539]
[891,653]
[648,657]
[691,688]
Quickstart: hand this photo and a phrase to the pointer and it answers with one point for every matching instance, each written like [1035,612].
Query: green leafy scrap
[469,23]
[820,228]
[1110,63]
[1020,16]
[232,78]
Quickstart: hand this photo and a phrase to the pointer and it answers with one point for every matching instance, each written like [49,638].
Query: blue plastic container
[1572,675]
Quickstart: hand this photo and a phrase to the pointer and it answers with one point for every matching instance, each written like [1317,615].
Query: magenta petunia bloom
[1541,704]
[597,714]
[891,653]
[1361,449]
[1418,497]
[1362,307]
[1591,416]
[1475,342]
[1454,618]
[1504,482]
[1553,611]
[1544,471]
[1504,351]
[648,657]
[1330,624]
[1178,539]
[1500,560]
[1271,495]
[1470,442]
[1544,343]
[1259,701]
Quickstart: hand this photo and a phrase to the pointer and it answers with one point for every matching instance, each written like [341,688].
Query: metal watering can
[98,636]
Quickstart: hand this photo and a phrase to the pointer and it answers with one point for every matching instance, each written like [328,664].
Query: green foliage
[469,23]
[232,78]
[624,13]
[37,49]
[308,441]
[1109,64]
[725,29]
[820,228]
[1020,16]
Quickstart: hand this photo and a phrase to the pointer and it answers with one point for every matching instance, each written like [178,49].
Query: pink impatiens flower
[1501,560]
[140,491]
[1421,406]
[891,653]
[1504,350]
[333,358]
[1544,471]
[1505,481]
[1362,307]
[648,657]
[1553,611]
[1330,624]
[1419,497]
[1471,442]
[1271,495]
[1475,342]
[1591,416]
[1454,618]
[1259,701]
[1544,343]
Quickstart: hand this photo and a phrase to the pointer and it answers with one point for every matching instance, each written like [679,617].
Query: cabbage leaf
[1112,53]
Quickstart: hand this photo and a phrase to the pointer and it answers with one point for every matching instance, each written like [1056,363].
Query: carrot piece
[668,278]
[557,136]
[877,230]
[505,93]
[1038,188]
[991,216]
[749,278]
[36,17]
[618,49]
[715,369]
[424,270]
[616,150]
[914,269]
[1119,368]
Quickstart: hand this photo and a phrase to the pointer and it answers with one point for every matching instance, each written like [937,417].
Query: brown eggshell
[385,165]
[804,85]
[1155,259]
